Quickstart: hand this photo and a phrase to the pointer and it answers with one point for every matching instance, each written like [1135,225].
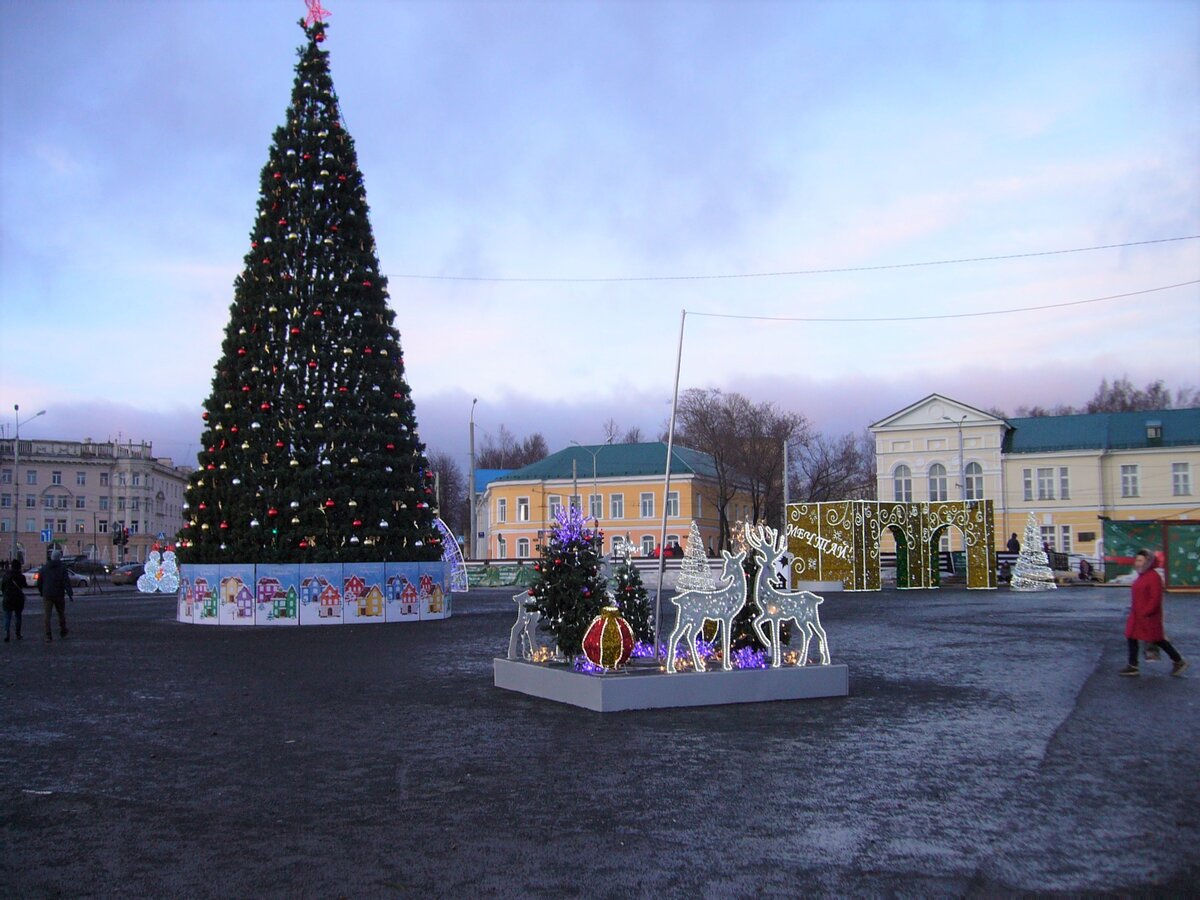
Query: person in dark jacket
[1014,546]
[13,588]
[1145,622]
[54,585]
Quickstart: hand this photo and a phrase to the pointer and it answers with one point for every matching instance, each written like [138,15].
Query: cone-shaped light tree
[310,448]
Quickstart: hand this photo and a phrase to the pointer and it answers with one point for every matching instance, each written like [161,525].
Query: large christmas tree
[310,448]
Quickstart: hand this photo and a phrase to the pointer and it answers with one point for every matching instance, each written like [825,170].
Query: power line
[826,271]
[966,315]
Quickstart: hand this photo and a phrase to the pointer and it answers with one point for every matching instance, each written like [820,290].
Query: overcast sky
[618,140]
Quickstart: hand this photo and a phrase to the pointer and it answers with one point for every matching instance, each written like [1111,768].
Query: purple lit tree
[569,589]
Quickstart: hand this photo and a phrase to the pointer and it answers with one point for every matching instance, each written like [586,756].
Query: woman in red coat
[1145,622]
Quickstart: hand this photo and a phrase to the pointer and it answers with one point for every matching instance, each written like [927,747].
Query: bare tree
[506,452]
[611,430]
[841,468]
[632,435]
[745,441]
[452,496]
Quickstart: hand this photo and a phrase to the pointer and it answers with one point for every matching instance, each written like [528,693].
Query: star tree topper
[316,13]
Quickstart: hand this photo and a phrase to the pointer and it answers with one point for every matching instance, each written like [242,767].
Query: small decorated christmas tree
[569,590]
[632,599]
[694,573]
[1032,571]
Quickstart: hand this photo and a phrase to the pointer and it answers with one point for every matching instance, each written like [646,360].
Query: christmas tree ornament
[608,641]
[694,573]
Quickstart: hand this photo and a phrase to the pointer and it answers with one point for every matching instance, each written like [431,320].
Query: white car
[77,580]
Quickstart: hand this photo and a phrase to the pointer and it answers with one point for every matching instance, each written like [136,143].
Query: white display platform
[651,688]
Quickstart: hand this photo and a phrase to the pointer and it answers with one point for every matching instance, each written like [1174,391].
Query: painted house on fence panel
[618,485]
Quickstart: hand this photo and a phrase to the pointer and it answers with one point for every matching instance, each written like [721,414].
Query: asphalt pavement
[987,747]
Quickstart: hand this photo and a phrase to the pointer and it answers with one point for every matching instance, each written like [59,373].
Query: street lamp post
[962,469]
[16,471]
[471,536]
[595,481]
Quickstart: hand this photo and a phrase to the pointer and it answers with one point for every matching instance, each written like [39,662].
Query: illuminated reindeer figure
[778,606]
[522,640]
[720,605]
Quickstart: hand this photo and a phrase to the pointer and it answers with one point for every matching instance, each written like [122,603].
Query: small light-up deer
[522,640]
[778,606]
[720,605]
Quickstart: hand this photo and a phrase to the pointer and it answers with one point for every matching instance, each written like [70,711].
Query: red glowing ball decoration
[608,641]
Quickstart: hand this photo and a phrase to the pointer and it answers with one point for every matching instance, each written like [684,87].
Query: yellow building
[1071,472]
[618,485]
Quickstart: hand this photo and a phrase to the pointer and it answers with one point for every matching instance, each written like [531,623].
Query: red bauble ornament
[272,512]
[608,641]
[264,406]
[329,504]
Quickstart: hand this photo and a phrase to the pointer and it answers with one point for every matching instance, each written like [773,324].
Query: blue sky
[570,140]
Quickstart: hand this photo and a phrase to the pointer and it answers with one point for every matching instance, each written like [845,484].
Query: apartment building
[1073,473]
[78,494]
[621,486]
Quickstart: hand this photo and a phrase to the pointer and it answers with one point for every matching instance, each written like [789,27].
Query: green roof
[614,461]
[1103,431]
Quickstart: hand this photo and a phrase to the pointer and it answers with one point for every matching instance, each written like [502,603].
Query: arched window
[974,481]
[647,544]
[902,484]
[501,548]
[938,489]
[522,548]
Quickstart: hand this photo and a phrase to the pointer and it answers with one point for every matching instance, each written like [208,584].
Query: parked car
[85,566]
[127,574]
[77,580]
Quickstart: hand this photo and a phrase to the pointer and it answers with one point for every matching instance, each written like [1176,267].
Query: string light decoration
[630,596]
[608,641]
[694,573]
[777,606]
[310,411]
[720,605]
[161,573]
[1032,571]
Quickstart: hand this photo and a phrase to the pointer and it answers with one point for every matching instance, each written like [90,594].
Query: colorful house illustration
[353,588]
[207,597]
[436,599]
[370,603]
[245,603]
[267,589]
[408,599]
[283,605]
[230,587]
[330,601]
[426,582]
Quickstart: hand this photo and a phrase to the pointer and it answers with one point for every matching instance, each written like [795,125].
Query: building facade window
[554,505]
[974,486]
[937,483]
[6,476]
[103,479]
[81,502]
[1064,538]
[522,548]
[1045,483]
[501,509]
[576,502]
[79,526]
[647,544]
[1064,483]
[1027,479]
[30,502]
[104,503]
[1181,479]
[121,479]
[56,477]
[647,507]
[137,479]
[618,545]
[616,506]
[102,526]
[502,548]
[63,501]
[31,476]
[48,502]
[5,501]
[1129,481]
[1047,536]
[522,509]
[81,479]
[673,504]
[595,505]
[902,484]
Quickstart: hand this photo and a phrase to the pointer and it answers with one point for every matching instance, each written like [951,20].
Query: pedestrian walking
[13,588]
[54,585]
[1145,621]
[1014,546]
